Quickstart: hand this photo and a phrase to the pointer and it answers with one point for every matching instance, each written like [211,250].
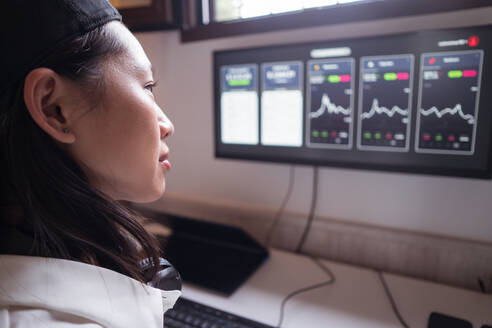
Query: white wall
[438,205]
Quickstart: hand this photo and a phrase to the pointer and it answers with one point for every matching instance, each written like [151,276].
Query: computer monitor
[414,102]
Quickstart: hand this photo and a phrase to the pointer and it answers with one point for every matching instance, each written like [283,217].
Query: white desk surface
[357,298]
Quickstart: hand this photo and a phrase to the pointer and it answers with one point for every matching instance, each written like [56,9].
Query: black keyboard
[189,314]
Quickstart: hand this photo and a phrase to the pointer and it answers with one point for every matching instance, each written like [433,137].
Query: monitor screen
[413,102]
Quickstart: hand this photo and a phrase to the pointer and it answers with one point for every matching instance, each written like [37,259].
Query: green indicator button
[315,133]
[390,76]
[455,74]
[377,135]
[333,78]
[367,135]
[438,138]
[235,83]
[324,134]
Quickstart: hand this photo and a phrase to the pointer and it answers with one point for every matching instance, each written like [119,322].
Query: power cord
[314,199]
[306,289]
[280,211]
[392,301]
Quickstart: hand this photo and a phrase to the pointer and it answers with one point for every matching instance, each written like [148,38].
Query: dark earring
[65,130]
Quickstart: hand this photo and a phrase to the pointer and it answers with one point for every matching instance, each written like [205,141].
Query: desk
[357,299]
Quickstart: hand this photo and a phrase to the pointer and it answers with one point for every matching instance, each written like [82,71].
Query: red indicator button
[402,76]
[388,136]
[334,134]
[451,138]
[473,41]
[469,73]
[426,137]
[344,78]
[432,61]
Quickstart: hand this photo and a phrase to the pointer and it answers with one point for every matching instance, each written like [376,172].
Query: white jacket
[47,292]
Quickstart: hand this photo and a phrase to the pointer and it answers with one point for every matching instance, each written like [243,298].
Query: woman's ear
[44,91]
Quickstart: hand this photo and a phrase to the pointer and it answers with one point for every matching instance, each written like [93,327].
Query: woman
[80,132]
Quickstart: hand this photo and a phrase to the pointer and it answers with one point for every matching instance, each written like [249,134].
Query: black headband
[31,30]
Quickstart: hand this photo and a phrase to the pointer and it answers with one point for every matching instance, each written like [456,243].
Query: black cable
[314,199]
[482,286]
[305,289]
[280,211]
[392,301]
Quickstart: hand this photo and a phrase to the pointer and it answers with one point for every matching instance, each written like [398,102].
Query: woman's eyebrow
[143,68]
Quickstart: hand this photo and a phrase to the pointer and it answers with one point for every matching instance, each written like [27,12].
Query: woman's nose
[166,127]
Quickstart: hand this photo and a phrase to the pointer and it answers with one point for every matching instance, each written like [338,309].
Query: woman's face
[120,144]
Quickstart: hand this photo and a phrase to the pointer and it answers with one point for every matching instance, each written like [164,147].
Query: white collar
[104,296]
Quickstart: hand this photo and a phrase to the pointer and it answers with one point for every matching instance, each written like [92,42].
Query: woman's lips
[164,161]
[166,164]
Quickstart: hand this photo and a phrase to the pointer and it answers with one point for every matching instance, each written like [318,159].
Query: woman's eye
[150,87]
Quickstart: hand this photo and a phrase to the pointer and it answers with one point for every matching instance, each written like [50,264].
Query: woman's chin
[147,198]
[146,192]
[152,195]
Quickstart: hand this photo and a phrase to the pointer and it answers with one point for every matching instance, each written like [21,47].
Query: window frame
[351,12]
[158,15]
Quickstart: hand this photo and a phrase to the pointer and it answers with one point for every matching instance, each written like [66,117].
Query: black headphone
[166,279]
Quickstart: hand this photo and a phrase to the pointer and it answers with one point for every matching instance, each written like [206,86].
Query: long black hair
[65,215]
